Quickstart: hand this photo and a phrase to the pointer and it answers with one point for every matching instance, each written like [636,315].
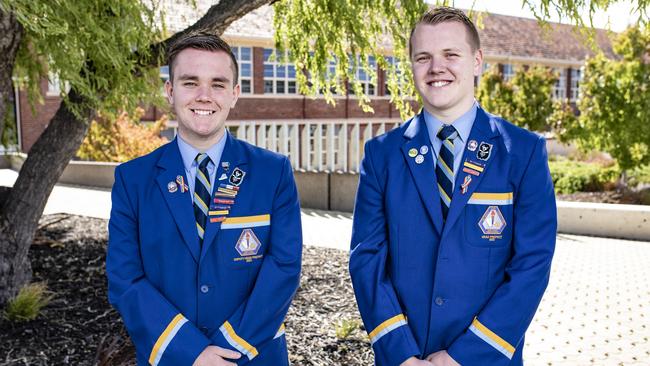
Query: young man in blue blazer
[455,219]
[204,236]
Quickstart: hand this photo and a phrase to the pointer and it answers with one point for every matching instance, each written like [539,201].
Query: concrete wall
[601,219]
[89,173]
[5,163]
[327,191]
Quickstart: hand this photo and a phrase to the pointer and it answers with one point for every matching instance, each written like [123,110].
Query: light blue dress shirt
[463,125]
[188,154]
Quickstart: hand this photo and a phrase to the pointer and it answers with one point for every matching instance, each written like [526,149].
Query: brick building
[269,88]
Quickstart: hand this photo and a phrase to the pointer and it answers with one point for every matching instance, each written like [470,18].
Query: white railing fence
[314,144]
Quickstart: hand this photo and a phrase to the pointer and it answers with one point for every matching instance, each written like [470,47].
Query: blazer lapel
[178,202]
[423,173]
[235,158]
[483,133]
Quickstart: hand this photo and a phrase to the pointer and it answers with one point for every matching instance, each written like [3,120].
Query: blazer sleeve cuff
[179,344]
[393,342]
[227,337]
[479,345]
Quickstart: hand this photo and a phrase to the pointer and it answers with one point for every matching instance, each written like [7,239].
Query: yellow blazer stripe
[386,327]
[492,338]
[218,212]
[473,166]
[279,333]
[246,221]
[491,199]
[165,338]
[236,341]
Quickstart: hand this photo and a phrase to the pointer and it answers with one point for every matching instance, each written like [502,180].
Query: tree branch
[215,21]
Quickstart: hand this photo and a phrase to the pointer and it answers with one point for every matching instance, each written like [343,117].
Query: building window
[576,78]
[279,78]
[559,89]
[365,79]
[508,72]
[244,56]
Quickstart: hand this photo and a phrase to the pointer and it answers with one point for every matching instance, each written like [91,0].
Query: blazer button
[205,289]
[439,301]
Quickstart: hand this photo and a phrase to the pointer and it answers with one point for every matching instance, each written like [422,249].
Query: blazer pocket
[244,240]
[488,219]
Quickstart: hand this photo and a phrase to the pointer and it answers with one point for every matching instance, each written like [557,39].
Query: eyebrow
[221,79]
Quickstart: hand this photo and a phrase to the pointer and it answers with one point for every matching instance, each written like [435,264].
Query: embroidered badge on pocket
[492,223]
[248,244]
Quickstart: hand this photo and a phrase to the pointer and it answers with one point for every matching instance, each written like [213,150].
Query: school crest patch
[492,221]
[248,244]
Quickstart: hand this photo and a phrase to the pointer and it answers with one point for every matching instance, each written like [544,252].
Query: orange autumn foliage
[123,138]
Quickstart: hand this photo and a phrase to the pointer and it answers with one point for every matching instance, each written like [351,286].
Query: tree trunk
[11,33]
[25,203]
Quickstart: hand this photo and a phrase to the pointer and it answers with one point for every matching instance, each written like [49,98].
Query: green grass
[28,303]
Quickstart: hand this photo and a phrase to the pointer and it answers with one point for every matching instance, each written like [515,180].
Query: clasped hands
[440,358]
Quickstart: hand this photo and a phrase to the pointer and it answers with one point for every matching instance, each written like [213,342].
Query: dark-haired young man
[204,236]
[455,221]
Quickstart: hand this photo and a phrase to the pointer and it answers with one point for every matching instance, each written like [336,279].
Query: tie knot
[202,159]
[447,132]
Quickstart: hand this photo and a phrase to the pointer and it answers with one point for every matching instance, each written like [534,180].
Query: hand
[441,358]
[215,356]
[413,361]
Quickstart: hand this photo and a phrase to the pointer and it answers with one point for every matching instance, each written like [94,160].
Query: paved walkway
[596,310]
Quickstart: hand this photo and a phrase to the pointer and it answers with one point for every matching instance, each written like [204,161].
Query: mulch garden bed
[621,197]
[79,327]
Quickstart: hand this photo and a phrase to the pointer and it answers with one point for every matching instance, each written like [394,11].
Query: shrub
[574,176]
[344,328]
[28,303]
[121,138]
[639,176]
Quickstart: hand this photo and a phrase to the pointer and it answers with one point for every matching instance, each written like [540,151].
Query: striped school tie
[202,192]
[445,167]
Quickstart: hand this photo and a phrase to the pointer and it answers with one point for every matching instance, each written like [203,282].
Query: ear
[169,90]
[478,62]
[235,95]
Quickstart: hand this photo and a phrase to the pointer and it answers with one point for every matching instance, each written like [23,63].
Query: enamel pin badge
[413,152]
[236,177]
[172,187]
[465,185]
[181,183]
[484,150]
[472,145]
[424,149]
[419,159]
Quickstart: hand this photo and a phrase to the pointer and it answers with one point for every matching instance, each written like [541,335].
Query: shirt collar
[189,152]
[463,124]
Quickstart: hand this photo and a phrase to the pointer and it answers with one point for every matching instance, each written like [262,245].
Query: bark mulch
[79,327]
[615,196]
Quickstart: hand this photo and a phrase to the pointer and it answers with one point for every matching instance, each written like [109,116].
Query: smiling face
[444,66]
[202,93]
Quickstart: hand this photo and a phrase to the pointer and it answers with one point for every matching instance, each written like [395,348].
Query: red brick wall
[33,124]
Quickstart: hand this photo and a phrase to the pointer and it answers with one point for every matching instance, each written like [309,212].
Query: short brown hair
[443,14]
[201,41]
